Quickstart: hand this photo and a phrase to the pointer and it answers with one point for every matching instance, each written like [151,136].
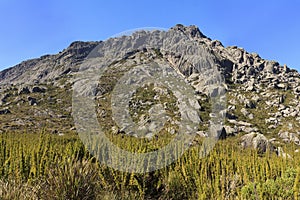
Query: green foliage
[281,187]
[48,166]
[71,179]
[12,189]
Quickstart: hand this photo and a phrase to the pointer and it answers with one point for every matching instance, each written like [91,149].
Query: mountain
[262,97]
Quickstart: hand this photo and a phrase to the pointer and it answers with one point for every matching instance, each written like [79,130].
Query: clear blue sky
[31,28]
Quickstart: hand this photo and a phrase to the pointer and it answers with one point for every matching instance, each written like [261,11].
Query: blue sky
[32,28]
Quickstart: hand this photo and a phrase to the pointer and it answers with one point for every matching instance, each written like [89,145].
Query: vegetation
[46,166]
[56,166]
[262,111]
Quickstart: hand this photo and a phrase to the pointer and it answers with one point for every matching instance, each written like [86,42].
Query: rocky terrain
[263,106]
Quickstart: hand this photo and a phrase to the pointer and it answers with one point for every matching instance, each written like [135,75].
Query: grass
[35,164]
[44,166]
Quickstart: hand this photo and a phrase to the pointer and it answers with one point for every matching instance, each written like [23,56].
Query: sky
[32,28]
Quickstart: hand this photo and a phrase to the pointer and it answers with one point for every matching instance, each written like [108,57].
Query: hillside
[199,92]
[262,96]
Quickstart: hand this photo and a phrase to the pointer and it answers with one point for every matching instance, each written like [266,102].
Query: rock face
[262,96]
[48,66]
[235,63]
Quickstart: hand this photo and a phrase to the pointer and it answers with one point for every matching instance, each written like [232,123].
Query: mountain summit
[262,96]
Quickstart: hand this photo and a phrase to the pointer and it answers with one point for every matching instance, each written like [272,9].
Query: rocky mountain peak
[236,64]
[263,96]
[191,31]
[48,66]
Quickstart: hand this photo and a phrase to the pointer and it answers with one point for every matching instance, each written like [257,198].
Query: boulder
[247,114]
[230,131]
[230,116]
[32,101]
[257,141]
[4,111]
[23,90]
[255,98]
[249,104]
[281,153]
[289,137]
[247,129]
[251,116]
[114,130]
[281,99]
[4,97]
[269,67]
[250,86]
[37,89]
[244,112]
[202,133]
[222,133]
[281,85]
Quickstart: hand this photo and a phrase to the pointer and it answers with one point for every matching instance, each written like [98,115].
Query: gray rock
[293,114]
[272,140]
[242,123]
[244,112]
[4,111]
[3,98]
[231,108]
[37,89]
[114,130]
[202,133]
[254,74]
[231,131]
[281,99]
[272,120]
[289,137]
[251,116]
[255,98]
[247,129]
[222,133]
[281,107]
[269,67]
[272,126]
[231,116]
[297,90]
[286,111]
[282,86]
[49,66]
[32,101]
[23,90]
[257,141]
[249,104]
[250,85]
[281,153]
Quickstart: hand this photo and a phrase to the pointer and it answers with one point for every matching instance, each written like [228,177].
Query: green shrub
[72,179]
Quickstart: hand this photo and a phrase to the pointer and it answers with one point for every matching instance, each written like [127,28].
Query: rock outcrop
[257,141]
[48,66]
[262,95]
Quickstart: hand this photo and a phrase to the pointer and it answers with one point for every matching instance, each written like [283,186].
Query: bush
[11,189]
[72,179]
[282,187]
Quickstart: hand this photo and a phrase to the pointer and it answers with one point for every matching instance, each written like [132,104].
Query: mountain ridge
[263,96]
[75,53]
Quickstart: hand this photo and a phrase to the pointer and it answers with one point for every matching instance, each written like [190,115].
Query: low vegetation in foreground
[47,166]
